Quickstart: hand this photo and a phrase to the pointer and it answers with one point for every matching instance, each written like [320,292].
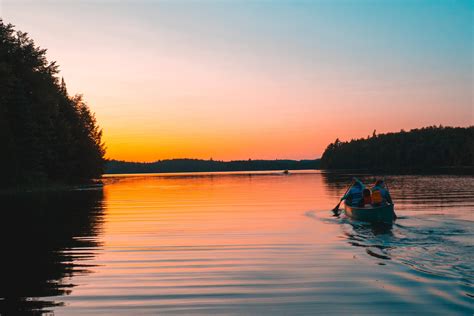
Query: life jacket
[355,196]
[377,197]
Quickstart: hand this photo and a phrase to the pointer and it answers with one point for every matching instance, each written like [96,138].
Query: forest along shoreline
[49,138]
[433,149]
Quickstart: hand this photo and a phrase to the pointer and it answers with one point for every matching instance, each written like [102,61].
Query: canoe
[378,214]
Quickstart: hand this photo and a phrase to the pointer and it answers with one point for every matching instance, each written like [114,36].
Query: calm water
[258,243]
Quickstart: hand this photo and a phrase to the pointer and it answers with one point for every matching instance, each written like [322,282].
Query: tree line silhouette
[199,165]
[424,148]
[47,136]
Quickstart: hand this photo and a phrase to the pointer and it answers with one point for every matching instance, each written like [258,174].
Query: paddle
[336,209]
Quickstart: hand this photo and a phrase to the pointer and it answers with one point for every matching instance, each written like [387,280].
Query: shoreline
[97,183]
[467,170]
[47,188]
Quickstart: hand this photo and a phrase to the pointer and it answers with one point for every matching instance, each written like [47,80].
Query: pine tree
[47,135]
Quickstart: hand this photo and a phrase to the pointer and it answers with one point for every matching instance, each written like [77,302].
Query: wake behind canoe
[379,214]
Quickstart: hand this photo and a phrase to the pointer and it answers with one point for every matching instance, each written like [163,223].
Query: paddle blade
[336,210]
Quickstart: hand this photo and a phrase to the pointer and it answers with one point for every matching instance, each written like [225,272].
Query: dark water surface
[237,243]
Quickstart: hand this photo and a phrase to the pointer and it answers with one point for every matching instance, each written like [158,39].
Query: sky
[256,79]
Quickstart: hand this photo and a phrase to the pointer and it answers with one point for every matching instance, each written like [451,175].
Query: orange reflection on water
[195,209]
[207,234]
[230,216]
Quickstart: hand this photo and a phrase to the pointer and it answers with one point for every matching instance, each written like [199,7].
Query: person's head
[366,192]
[357,184]
[379,183]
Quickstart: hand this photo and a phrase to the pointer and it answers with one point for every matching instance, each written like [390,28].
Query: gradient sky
[256,79]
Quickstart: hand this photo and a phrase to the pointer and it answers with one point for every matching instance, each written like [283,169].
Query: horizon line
[211,159]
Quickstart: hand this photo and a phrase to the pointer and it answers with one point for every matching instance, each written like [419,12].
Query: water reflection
[239,244]
[46,239]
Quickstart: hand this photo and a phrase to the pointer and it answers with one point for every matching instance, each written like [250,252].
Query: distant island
[198,165]
[418,149]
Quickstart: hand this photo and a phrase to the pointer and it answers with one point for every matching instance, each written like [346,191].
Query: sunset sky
[256,79]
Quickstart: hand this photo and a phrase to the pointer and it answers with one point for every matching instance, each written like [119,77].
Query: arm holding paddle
[335,210]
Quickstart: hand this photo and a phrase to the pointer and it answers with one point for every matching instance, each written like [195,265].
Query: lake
[237,243]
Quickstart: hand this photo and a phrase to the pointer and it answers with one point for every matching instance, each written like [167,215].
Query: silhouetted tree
[424,148]
[46,135]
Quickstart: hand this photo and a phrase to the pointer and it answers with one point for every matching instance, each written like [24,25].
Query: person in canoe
[354,196]
[366,197]
[380,194]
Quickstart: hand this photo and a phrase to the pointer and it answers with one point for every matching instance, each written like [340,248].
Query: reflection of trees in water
[336,180]
[37,230]
[340,180]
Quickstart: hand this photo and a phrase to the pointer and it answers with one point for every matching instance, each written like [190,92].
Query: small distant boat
[373,214]
[286,172]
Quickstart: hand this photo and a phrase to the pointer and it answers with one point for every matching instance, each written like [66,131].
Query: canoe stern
[382,214]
